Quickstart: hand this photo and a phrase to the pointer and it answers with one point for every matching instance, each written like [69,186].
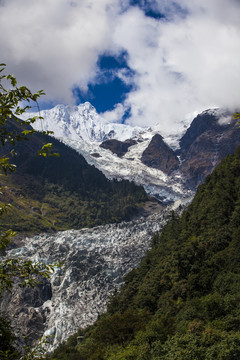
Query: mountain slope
[82,122]
[183,300]
[170,169]
[160,156]
[211,136]
[58,193]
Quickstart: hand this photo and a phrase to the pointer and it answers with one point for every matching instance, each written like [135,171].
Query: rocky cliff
[160,156]
[211,136]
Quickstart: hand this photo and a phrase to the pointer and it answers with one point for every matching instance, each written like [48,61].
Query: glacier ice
[93,263]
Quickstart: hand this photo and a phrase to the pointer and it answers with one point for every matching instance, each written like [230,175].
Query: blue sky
[143,62]
[108,89]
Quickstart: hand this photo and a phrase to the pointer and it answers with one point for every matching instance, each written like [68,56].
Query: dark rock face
[198,160]
[201,124]
[96,155]
[25,308]
[160,156]
[203,146]
[118,147]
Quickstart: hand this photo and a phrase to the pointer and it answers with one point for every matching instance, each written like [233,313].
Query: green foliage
[61,193]
[27,272]
[14,270]
[11,96]
[188,284]
[7,347]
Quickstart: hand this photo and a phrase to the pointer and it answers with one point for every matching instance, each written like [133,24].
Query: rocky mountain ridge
[211,136]
[82,122]
[118,147]
[169,168]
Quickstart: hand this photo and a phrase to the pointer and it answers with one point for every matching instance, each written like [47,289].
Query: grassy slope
[183,300]
[61,193]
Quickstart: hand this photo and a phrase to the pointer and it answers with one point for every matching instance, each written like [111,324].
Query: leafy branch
[14,270]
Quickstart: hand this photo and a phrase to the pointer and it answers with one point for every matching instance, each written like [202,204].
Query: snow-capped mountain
[82,123]
[169,168]
[84,130]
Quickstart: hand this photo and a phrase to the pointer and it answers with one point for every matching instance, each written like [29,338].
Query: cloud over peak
[182,56]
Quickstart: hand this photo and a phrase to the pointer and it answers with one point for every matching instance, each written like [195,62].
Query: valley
[120,180]
[112,189]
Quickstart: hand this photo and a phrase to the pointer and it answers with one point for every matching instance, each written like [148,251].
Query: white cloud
[115,115]
[186,62]
[53,44]
[189,64]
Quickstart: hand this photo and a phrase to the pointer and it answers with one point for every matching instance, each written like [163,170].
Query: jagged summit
[170,168]
[82,122]
[160,156]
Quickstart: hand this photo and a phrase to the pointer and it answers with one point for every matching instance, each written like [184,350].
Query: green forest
[182,302]
[61,192]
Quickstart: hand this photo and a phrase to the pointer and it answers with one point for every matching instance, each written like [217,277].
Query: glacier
[92,264]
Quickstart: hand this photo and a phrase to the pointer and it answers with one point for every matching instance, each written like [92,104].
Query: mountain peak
[160,156]
[82,122]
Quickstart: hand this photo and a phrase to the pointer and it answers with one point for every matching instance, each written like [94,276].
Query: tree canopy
[15,270]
